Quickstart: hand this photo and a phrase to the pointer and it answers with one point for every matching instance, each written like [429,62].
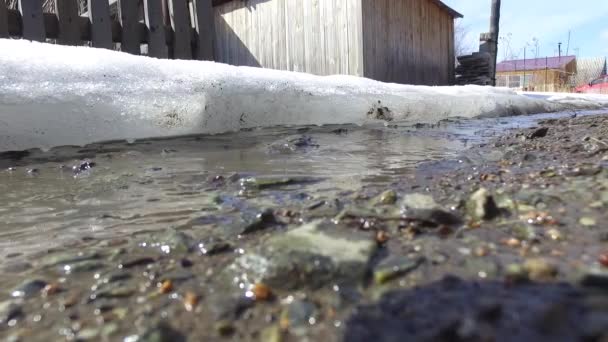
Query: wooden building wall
[315,36]
[403,41]
[408,41]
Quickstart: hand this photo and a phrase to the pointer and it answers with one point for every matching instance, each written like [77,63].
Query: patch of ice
[56,95]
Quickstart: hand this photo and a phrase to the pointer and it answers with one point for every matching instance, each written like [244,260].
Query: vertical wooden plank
[281,23]
[101,26]
[204,25]
[32,20]
[355,38]
[451,52]
[309,35]
[3,20]
[297,21]
[220,36]
[128,11]
[157,41]
[67,18]
[180,23]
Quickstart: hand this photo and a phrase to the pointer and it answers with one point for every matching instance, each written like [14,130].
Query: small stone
[394,267]
[388,197]
[29,288]
[262,220]
[603,259]
[420,207]
[540,269]
[297,313]
[271,334]
[175,241]
[261,292]
[10,311]
[190,300]
[419,201]
[165,287]
[263,183]
[88,334]
[595,279]
[213,245]
[311,255]
[481,206]
[51,289]
[516,272]
[136,261]
[162,332]
[70,258]
[83,266]
[224,328]
[587,221]
[538,133]
[555,234]
[382,237]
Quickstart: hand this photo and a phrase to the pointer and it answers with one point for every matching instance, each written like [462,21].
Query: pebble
[29,289]
[136,261]
[162,332]
[213,245]
[388,197]
[395,266]
[540,269]
[224,328]
[10,311]
[481,205]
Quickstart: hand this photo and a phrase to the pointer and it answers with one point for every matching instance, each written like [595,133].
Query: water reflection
[158,184]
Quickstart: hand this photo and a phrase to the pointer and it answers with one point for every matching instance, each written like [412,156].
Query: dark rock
[162,332]
[481,206]
[136,261]
[395,266]
[29,288]
[213,245]
[83,166]
[10,311]
[262,220]
[293,144]
[230,307]
[174,241]
[595,279]
[538,133]
[310,256]
[455,310]
[423,208]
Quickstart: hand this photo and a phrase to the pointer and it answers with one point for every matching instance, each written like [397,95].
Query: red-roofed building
[537,74]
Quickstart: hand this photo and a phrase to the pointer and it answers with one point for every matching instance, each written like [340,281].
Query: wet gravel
[505,243]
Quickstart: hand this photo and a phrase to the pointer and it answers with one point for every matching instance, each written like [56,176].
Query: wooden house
[538,74]
[401,41]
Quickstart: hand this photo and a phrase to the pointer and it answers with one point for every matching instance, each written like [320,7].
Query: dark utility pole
[489,41]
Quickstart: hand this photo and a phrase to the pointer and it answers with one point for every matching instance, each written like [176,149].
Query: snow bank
[55,95]
[573,100]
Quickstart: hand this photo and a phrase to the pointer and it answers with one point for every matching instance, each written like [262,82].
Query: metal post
[546,70]
[524,81]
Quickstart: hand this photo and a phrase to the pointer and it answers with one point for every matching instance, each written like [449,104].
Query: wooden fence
[180,29]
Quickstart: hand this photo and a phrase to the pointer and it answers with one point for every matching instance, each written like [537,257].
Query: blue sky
[547,21]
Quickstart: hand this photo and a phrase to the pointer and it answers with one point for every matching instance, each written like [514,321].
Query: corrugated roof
[589,69]
[534,63]
[449,9]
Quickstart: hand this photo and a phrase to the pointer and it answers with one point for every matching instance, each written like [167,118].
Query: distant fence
[180,29]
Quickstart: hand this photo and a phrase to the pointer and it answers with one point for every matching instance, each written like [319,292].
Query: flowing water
[108,190]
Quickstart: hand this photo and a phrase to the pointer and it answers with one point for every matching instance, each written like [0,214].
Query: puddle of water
[156,184]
